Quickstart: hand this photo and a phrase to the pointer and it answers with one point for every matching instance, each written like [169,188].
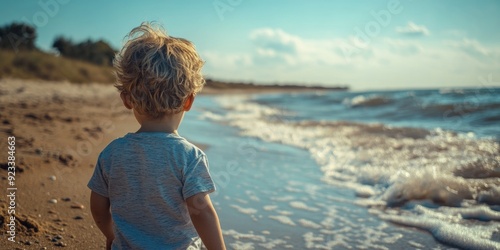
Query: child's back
[150,188]
[148,175]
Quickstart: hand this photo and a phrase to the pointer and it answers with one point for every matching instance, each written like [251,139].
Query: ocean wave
[463,108]
[475,110]
[389,166]
[367,101]
[451,229]
[451,91]
[388,156]
[312,98]
[494,118]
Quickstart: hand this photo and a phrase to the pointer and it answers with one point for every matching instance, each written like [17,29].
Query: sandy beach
[59,130]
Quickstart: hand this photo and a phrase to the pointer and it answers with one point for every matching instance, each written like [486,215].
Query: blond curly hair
[157,71]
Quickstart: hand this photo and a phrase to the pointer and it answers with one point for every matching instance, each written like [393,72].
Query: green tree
[63,45]
[17,36]
[99,52]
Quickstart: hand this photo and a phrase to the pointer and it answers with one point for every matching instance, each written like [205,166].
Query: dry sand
[59,130]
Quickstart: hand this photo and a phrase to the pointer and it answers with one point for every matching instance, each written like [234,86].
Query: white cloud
[403,47]
[276,40]
[278,56]
[226,60]
[471,46]
[475,49]
[278,45]
[220,65]
[412,29]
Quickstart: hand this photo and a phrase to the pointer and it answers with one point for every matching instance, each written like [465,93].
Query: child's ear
[189,102]
[126,100]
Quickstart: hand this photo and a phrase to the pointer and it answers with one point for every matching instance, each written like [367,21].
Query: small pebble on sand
[61,244]
[54,201]
[77,206]
[52,178]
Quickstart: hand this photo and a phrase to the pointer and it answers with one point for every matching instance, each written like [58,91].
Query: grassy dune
[44,66]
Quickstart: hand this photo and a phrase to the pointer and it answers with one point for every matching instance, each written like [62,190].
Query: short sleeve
[98,182]
[196,178]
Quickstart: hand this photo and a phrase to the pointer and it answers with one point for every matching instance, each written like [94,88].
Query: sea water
[335,170]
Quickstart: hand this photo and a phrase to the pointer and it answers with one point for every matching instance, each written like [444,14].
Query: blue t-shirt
[147,178]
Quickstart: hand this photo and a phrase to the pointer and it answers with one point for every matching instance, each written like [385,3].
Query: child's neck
[166,124]
[155,128]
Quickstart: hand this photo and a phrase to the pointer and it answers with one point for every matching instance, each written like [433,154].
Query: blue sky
[364,44]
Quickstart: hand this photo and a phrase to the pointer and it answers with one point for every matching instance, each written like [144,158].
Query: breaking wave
[414,176]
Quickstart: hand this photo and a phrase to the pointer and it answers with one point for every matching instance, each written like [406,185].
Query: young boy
[150,188]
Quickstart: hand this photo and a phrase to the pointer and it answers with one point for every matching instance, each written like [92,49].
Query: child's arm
[206,221]
[99,205]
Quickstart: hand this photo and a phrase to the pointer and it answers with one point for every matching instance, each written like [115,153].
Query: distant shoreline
[219,87]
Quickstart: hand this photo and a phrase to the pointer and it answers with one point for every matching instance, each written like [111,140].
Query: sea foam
[392,167]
